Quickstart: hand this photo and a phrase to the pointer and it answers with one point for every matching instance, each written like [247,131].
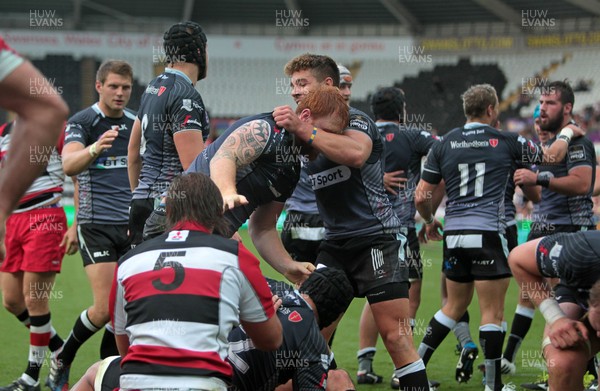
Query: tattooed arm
[242,147]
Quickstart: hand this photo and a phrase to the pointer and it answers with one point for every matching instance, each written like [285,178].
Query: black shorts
[108,374]
[557,249]
[539,230]
[412,249]
[475,255]
[568,294]
[101,243]
[302,235]
[512,237]
[369,262]
[139,212]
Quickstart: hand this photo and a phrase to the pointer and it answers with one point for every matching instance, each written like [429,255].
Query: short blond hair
[477,99]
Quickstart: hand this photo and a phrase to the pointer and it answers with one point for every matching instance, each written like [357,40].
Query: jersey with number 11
[476,163]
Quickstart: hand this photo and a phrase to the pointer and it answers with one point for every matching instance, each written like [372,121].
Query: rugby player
[404,149]
[475,162]
[171,125]
[36,241]
[256,165]
[303,230]
[362,232]
[96,140]
[41,117]
[525,309]
[303,356]
[566,196]
[569,343]
[176,297]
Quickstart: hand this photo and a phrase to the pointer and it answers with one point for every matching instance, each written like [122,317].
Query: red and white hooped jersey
[46,187]
[9,59]
[177,297]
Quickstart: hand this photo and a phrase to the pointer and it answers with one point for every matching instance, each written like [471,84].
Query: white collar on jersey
[179,73]
[472,125]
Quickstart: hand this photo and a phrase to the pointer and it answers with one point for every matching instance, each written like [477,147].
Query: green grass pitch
[72,294]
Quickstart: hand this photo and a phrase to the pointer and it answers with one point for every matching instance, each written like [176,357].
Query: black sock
[412,377]
[438,328]
[39,337]
[24,318]
[518,330]
[82,331]
[56,342]
[491,338]
[108,347]
[465,318]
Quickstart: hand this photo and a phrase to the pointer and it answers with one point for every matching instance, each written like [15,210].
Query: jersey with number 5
[177,297]
[476,163]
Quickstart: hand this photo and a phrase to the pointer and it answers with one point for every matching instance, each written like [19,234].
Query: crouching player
[572,330]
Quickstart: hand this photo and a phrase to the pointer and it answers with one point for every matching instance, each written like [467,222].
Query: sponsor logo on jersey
[469,144]
[359,122]
[190,104]
[325,361]
[543,250]
[155,91]
[295,317]
[193,122]
[494,142]
[576,153]
[389,137]
[177,236]
[110,162]
[329,177]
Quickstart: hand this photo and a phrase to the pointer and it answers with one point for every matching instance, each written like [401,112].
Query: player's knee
[99,314]
[37,302]
[12,304]
[565,362]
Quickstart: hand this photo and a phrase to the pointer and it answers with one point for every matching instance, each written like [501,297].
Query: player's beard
[553,125]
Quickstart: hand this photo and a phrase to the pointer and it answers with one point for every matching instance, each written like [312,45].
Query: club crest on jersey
[295,317]
[389,137]
[177,236]
[494,142]
[187,104]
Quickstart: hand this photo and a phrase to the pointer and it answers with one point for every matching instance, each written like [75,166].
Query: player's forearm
[424,200]
[74,163]
[437,195]
[223,173]
[75,199]
[122,344]
[268,244]
[134,167]
[532,193]
[339,148]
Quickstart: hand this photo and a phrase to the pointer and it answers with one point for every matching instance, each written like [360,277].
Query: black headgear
[388,104]
[186,42]
[331,291]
